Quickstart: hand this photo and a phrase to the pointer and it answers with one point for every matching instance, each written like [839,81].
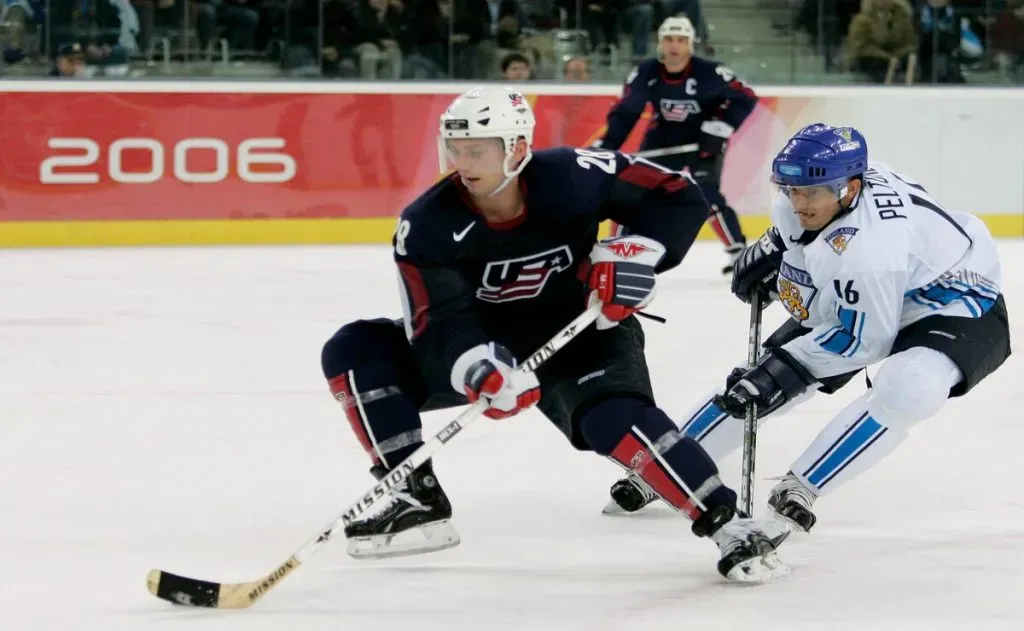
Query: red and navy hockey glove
[714,135]
[488,371]
[622,276]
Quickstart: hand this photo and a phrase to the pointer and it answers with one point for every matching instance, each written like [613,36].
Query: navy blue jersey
[465,282]
[704,90]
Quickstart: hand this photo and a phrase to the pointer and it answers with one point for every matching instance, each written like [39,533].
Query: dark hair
[512,58]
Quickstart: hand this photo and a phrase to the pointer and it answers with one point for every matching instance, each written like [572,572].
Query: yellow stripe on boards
[29,234]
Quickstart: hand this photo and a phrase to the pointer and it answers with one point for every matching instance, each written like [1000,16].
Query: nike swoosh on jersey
[459,236]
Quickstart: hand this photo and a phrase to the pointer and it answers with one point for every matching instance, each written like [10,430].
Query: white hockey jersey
[895,258]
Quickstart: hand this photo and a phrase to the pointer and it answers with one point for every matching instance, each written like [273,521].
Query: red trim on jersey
[683,74]
[651,178]
[630,449]
[467,199]
[419,299]
[342,391]
[738,85]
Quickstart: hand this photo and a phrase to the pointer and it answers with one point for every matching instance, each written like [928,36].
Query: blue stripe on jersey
[977,293]
[844,340]
[851,444]
[707,419]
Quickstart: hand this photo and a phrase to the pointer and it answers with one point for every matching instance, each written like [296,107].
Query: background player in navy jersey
[696,102]
[493,260]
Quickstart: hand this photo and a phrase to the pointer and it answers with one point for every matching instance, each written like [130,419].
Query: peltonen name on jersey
[524,277]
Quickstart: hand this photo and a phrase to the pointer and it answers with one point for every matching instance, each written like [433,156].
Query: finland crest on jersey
[796,291]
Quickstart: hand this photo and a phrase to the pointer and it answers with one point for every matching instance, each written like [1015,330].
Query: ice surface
[165,408]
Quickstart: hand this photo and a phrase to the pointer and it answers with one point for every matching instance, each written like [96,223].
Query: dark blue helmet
[821,155]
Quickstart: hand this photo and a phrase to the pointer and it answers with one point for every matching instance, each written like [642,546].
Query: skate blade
[763,569]
[432,537]
[612,508]
[777,529]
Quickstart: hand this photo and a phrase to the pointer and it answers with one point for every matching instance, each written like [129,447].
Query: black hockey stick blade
[192,592]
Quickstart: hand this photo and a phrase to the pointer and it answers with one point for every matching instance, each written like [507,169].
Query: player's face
[478,161]
[815,206]
[675,50]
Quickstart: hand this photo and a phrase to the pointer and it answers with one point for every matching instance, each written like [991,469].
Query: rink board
[285,231]
[205,163]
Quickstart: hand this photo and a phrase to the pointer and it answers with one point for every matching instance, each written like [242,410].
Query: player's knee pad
[604,424]
[378,344]
[371,372]
[912,386]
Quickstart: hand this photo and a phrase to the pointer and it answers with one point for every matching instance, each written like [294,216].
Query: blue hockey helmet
[821,155]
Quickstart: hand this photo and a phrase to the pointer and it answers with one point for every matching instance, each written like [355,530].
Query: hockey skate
[629,495]
[734,253]
[415,521]
[792,502]
[748,554]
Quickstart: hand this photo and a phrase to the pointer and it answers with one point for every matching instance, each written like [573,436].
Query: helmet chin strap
[510,175]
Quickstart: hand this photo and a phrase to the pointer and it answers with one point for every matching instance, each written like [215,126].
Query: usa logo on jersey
[677,111]
[521,278]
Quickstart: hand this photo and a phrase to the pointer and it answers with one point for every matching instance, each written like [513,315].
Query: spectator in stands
[1008,41]
[337,58]
[381,24]
[939,50]
[881,38]
[600,18]
[18,19]
[439,48]
[239,18]
[827,22]
[167,13]
[515,67]
[70,61]
[503,22]
[577,70]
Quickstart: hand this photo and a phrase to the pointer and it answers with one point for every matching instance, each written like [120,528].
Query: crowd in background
[883,41]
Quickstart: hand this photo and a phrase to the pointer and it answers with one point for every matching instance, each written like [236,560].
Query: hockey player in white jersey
[871,270]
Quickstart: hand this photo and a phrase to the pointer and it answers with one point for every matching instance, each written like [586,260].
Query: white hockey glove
[488,371]
[621,275]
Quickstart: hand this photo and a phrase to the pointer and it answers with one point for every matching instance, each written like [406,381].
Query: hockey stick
[197,593]
[750,419]
[667,151]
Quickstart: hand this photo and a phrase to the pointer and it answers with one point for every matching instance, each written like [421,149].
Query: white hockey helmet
[678,25]
[491,112]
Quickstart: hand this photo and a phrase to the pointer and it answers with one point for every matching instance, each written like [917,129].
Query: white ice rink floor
[165,408]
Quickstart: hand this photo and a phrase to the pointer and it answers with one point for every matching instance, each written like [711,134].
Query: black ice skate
[734,253]
[416,520]
[748,554]
[629,495]
[792,501]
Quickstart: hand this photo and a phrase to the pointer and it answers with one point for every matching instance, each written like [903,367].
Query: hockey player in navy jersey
[698,105]
[493,260]
[871,270]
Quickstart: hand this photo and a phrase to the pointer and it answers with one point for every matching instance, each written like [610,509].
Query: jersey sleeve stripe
[651,178]
[417,299]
